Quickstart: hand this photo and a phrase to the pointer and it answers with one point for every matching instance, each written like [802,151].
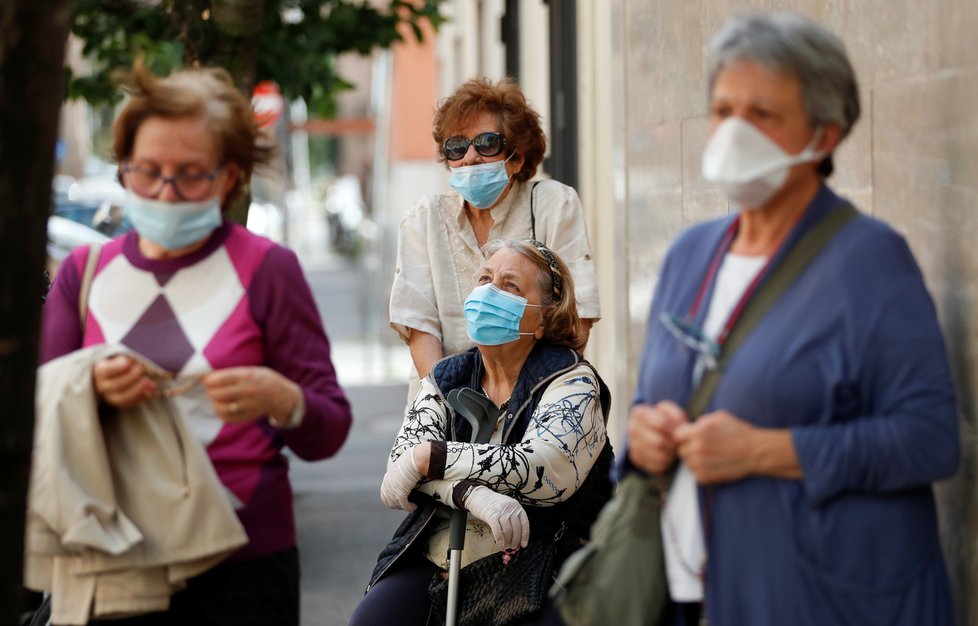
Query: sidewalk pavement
[341,523]
[366,363]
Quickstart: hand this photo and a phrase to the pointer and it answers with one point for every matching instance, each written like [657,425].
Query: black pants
[401,598]
[684,613]
[257,592]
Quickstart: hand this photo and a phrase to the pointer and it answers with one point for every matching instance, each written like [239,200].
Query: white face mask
[747,165]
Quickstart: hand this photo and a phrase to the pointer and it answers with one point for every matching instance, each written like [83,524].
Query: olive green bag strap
[91,262]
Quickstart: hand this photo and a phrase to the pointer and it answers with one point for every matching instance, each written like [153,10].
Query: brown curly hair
[519,122]
[207,93]
[561,321]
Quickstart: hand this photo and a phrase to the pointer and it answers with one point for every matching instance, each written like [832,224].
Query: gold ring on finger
[233,407]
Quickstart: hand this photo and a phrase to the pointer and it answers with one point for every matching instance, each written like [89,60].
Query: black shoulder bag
[533,214]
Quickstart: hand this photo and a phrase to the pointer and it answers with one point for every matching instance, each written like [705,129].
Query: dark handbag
[620,577]
[493,594]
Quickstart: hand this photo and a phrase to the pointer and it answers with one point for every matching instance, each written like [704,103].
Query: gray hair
[797,46]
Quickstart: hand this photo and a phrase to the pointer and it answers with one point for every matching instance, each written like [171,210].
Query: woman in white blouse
[492,142]
[545,471]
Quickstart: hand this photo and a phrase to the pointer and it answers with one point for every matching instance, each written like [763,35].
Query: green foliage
[296,47]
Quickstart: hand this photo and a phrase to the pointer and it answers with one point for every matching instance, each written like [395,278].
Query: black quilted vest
[577,513]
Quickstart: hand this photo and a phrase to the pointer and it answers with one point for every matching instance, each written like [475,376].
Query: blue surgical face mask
[173,225]
[482,184]
[494,315]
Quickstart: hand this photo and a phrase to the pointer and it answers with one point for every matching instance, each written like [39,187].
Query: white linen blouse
[438,256]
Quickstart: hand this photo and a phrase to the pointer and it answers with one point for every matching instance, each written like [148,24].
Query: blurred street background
[346,90]
[341,522]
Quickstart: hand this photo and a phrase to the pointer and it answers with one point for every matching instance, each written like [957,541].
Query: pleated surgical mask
[494,315]
[482,184]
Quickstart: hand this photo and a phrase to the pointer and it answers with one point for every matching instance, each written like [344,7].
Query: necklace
[502,409]
[673,537]
[504,403]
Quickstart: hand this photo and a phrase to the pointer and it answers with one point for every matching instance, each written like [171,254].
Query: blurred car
[64,235]
[96,202]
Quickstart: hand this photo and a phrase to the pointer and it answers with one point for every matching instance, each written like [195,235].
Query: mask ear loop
[809,153]
[508,175]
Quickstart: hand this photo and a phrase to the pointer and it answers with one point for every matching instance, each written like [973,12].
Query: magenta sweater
[240,300]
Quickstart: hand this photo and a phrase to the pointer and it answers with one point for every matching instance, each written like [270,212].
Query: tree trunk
[32,45]
[239,23]
[236,25]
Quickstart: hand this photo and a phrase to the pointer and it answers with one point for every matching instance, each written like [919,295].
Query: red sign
[267,102]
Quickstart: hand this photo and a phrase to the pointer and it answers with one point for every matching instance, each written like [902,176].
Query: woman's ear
[541,328]
[831,137]
[514,164]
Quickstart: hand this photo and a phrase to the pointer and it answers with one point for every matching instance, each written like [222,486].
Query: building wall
[912,160]
[601,187]
[534,55]
[414,170]
[470,43]
[414,94]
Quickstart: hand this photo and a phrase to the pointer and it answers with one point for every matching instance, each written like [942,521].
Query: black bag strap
[793,264]
[533,215]
[91,261]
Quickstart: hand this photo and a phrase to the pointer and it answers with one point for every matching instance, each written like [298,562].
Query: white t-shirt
[682,530]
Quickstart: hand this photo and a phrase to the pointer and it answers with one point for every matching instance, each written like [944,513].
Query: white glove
[507,519]
[402,476]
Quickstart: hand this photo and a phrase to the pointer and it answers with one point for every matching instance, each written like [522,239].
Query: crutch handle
[456,537]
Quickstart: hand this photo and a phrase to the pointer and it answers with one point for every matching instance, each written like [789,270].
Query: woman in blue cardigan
[803,493]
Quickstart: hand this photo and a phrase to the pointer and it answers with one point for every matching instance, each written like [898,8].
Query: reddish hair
[518,121]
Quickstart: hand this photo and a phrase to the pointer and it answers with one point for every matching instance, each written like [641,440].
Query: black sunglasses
[486,144]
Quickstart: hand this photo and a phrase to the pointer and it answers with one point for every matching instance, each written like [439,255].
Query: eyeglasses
[486,144]
[692,337]
[190,186]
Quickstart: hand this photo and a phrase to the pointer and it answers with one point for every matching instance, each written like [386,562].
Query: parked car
[96,202]
[64,235]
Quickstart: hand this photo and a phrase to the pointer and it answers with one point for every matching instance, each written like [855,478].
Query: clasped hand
[401,478]
[505,516]
[717,448]
[238,394]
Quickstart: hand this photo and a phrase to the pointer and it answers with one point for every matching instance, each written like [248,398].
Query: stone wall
[912,160]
